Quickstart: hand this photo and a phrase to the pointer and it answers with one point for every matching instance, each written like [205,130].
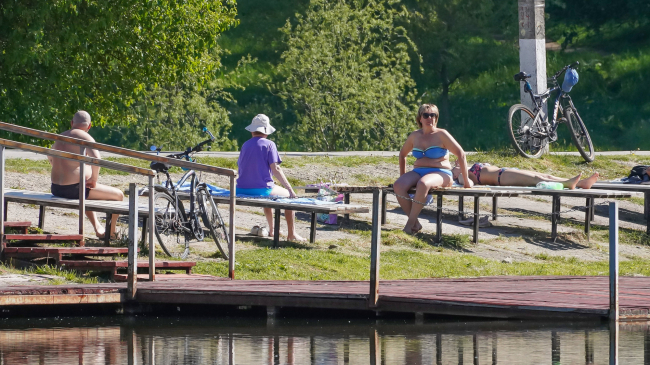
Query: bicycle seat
[521,76]
[159,167]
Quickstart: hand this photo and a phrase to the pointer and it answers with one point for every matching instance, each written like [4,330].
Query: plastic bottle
[550,185]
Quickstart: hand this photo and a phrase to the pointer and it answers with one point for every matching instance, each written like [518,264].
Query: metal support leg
[494,208]
[461,208]
[383,207]
[555,216]
[107,234]
[588,218]
[41,216]
[476,219]
[346,200]
[276,230]
[312,230]
[375,242]
[4,218]
[439,218]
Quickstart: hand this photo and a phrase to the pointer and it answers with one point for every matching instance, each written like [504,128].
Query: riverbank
[518,243]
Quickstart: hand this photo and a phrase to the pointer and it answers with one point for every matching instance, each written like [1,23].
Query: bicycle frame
[539,100]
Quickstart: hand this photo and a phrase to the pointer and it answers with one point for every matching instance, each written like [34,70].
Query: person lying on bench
[486,174]
[65,173]
[431,147]
[258,161]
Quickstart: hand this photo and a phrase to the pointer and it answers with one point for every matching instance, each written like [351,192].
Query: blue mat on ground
[221,192]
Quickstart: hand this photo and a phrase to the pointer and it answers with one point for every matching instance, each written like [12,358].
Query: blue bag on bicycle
[570,79]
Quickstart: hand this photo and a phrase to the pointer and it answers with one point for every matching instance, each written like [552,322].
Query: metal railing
[232,174]
[133,208]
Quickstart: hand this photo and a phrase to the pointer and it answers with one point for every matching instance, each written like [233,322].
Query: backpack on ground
[639,172]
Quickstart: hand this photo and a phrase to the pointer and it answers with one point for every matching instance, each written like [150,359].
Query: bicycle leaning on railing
[531,133]
[177,227]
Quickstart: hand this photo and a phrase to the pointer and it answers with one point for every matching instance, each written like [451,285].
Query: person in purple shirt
[258,162]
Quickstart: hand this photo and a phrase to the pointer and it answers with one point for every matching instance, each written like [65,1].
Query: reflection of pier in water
[472,343]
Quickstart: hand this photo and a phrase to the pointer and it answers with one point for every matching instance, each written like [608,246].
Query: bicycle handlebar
[573,65]
[197,148]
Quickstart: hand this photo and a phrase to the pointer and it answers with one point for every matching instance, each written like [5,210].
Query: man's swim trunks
[68,191]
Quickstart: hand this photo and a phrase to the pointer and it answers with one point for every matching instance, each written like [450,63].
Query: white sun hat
[262,124]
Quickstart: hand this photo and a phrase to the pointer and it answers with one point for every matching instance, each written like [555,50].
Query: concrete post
[532,48]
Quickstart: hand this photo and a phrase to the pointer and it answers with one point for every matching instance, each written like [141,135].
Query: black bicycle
[530,132]
[177,227]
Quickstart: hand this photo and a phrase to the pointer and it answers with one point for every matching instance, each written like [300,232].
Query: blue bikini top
[431,152]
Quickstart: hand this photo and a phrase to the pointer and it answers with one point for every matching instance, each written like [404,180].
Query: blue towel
[217,191]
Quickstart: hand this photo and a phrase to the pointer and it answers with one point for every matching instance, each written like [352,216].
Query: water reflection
[138,340]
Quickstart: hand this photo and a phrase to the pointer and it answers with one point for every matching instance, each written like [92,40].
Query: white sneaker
[482,222]
[263,232]
[255,230]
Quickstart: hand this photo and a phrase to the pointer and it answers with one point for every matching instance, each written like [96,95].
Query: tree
[63,55]
[459,39]
[347,76]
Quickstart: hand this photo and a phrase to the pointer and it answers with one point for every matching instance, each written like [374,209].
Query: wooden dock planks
[491,297]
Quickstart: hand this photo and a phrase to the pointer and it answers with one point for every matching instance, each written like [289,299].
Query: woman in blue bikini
[431,147]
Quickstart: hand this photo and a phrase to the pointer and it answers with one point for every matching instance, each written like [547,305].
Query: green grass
[301,264]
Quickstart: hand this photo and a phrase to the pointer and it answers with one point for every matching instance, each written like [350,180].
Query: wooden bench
[637,188]
[309,208]
[590,195]
[44,200]
[439,193]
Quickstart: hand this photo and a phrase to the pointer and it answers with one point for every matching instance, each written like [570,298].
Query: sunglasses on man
[429,115]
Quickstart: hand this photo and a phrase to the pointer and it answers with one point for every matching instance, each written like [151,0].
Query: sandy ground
[510,238]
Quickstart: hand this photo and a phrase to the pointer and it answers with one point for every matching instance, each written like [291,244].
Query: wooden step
[172,277]
[57,253]
[44,237]
[22,225]
[112,266]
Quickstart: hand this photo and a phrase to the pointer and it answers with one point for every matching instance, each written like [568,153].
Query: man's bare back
[66,172]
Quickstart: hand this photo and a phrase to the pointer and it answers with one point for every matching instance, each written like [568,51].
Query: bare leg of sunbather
[401,188]
[435,179]
[512,177]
[588,182]
[103,192]
[288,215]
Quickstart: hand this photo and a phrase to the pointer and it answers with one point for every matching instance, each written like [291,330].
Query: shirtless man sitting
[65,173]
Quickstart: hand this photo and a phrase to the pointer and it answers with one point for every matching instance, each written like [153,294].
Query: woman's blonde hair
[423,109]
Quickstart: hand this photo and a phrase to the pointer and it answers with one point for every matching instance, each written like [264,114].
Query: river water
[245,340]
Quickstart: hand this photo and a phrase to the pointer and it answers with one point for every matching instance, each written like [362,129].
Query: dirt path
[517,235]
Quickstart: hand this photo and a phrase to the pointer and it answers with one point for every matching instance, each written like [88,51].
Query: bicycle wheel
[213,222]
[526,131]
[580,135]
[170,225]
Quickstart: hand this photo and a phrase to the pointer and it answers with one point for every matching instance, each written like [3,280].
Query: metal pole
[3,212]
[152,226]
[133,239]
[375,348]
[231,233]
[613,262]
[82,194]
[613,342]
[532,48]
[375,241]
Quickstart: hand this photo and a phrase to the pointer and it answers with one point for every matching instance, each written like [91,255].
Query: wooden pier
[503,297]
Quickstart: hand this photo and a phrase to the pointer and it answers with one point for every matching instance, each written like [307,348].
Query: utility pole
[532,48]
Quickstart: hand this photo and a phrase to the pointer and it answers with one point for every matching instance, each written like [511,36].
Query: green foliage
[459,40]
[347,80]
[61,56]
